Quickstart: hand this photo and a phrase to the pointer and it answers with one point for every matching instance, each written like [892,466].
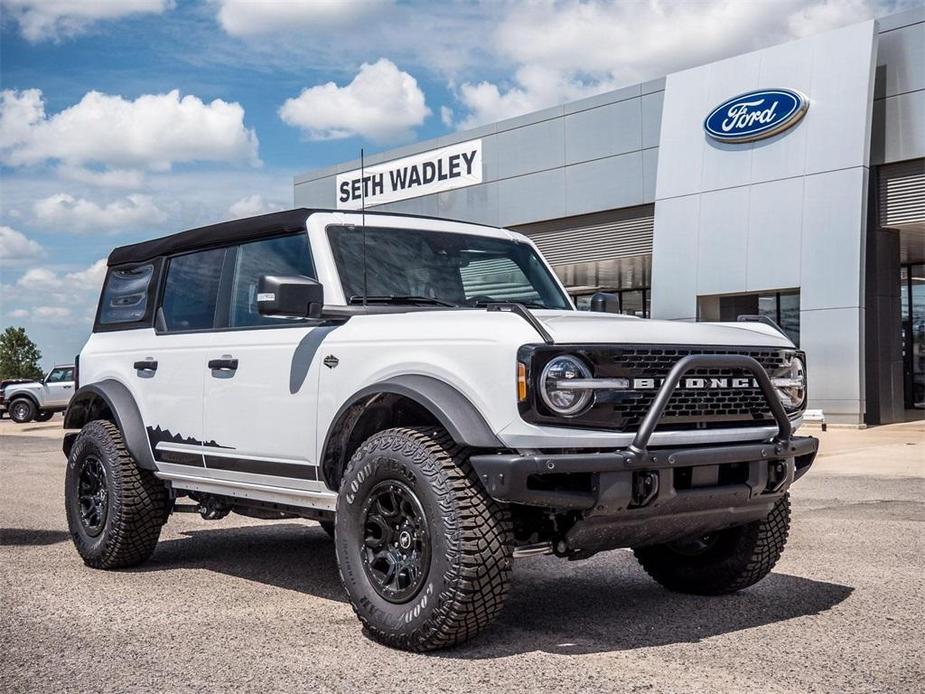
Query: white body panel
[277,407]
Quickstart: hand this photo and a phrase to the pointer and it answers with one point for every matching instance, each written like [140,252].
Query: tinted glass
[125,295]
[60,375]
[457,268]
[283,256]
[191,290]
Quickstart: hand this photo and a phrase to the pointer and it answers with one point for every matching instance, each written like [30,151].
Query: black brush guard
[633,497]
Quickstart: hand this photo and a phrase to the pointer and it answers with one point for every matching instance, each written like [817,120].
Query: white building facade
[816,220]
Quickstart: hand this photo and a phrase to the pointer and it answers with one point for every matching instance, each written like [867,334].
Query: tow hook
[645,487]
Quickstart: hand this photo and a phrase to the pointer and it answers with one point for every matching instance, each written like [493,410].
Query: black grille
[623,410]
[690,406]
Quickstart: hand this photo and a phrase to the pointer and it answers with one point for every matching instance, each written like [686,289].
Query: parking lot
[249,605]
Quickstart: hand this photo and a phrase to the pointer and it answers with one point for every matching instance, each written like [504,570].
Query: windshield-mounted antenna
[363,217]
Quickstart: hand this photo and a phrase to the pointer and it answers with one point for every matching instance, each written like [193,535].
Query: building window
[781,307]
[633,302]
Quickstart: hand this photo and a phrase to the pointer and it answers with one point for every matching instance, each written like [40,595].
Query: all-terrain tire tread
[758,549]
[480,535]
[138,505]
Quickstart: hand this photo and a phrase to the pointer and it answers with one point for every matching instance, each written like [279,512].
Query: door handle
[68,387]
[146,365]
[223,364]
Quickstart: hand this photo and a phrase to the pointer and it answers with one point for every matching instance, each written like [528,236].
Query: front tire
[424,553]
[22,410]
[723,562]
[115,509]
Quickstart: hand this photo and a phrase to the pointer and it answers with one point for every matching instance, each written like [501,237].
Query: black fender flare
[125,412]
[464,423]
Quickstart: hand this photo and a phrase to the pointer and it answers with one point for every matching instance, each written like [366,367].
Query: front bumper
[640,495]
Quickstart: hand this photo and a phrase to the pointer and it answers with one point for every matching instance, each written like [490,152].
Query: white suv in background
[428,392]
[39,400]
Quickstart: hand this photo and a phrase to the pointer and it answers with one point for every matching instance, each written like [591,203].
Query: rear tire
[22,410]
[115,509]
[424,553]
[43,416]
[723,562]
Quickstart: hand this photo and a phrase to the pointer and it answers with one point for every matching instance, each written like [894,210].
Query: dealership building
[787,182]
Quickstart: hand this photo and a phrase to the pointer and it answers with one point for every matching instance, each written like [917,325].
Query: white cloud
[251,206]
[247,17]
[382,103]
[56,19]
[39,278]
[112,178]
[446,116]
[566,50]
[152,132]
[18,313]
[79,214]
[16,248]
[51,313]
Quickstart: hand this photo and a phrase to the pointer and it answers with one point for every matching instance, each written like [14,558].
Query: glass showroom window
[781,307]
[633,302]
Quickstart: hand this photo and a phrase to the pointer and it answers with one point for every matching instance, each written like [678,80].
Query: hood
[574,327]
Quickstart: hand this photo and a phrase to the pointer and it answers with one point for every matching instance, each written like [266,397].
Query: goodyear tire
[115,509]
[423,552]
[22,410]
[724,562]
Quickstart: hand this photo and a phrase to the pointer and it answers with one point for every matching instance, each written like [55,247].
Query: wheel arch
[10,399]
[112,401]
[401,401]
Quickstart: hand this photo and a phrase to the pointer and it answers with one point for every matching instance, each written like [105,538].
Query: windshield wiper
[527,304]
[401,299]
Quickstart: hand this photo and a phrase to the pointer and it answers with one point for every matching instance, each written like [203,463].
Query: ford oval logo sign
[755,115]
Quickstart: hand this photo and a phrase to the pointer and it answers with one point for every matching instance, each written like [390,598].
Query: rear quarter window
[126,295]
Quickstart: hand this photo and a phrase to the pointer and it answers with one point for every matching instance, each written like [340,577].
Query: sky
[122,120]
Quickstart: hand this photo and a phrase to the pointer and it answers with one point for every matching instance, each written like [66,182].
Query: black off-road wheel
[723,562]
[22,410]
[424,553]
[115,509]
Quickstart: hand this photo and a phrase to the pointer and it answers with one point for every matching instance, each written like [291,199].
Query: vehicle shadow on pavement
[291,556]
[554,606]
[569,611]
[24,537]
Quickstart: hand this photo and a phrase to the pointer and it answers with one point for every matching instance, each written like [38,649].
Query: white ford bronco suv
[428,392]
[39,400]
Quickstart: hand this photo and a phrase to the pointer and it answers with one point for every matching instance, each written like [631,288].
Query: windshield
[441,268]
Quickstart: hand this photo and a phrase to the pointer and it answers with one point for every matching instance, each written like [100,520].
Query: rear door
[260,401]
[169,366]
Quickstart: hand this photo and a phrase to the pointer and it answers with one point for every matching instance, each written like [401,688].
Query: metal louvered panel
[605,241]
[902,193]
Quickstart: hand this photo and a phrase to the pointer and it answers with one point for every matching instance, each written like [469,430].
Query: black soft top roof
[225,233]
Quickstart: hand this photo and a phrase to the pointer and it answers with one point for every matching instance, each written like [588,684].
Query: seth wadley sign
[435,171]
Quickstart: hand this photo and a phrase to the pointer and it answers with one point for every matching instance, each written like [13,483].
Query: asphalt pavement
[247,605]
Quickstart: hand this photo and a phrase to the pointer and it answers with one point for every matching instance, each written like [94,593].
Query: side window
[284,256]
[60,376]
[125,295]
[191,291]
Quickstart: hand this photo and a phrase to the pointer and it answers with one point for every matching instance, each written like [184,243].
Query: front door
[913,328]
[59,386]
[261,397]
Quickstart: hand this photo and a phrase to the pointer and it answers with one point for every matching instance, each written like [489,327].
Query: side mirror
[297,296]
[604,302]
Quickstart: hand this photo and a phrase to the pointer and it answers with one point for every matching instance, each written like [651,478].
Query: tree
[19,357]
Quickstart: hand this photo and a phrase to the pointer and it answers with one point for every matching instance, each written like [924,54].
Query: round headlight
[556,391]
[790,384]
